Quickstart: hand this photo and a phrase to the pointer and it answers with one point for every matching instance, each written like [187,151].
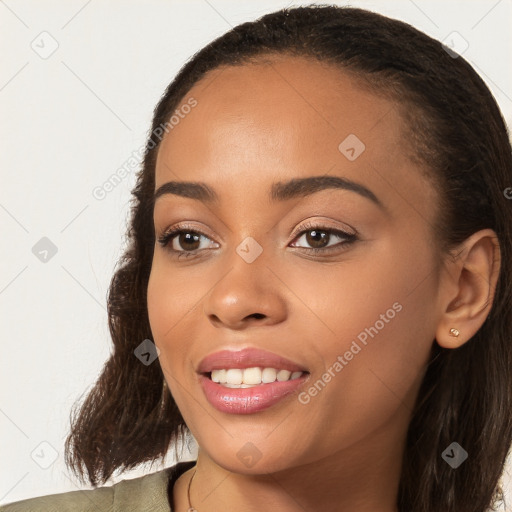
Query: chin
[254,457]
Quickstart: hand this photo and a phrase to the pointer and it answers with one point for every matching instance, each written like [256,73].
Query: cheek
[381,320]
[170,295]
[175,302]
[390,289]
[365,291]
[168,303]
[157,301]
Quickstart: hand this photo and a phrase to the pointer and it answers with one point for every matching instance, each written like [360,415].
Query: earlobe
[470,287]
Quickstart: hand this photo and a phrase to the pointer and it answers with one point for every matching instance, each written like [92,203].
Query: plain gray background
[78,83]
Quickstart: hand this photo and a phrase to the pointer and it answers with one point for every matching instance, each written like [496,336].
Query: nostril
[258,315]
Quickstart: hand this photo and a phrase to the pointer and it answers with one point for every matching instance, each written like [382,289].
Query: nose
[249,294]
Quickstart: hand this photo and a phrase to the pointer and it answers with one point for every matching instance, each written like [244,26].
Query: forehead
[286,116]
[283,104]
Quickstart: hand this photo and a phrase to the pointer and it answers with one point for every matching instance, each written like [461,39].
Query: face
[339,281]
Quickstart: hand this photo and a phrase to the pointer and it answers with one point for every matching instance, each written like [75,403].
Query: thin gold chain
[190,507]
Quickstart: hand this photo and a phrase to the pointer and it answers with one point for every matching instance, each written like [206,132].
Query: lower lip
[247,400]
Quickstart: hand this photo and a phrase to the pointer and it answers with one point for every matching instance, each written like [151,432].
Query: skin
[273,121]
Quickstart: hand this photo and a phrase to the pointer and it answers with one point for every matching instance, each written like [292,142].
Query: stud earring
[454,332]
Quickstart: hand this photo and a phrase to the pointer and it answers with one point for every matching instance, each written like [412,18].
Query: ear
[468,288]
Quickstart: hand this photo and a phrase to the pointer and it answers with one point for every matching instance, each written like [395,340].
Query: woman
[320,253]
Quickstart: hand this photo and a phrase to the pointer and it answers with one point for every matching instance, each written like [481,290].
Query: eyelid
[185,226]
[322,223]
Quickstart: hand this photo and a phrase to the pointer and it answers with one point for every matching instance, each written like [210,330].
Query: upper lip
[246,358]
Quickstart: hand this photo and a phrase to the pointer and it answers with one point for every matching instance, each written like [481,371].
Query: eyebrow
[279,191]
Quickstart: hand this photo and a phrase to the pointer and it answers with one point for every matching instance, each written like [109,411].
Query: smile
[249,377]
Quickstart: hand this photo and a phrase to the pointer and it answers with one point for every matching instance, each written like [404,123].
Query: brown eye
[318,239]
[188,240]
[183,241]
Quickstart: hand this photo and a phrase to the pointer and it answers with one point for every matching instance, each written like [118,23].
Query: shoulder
[148,492]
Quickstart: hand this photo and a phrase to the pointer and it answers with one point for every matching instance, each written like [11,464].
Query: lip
[247,358]
[248,400]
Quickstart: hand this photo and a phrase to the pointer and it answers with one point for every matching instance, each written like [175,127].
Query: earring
[454,332]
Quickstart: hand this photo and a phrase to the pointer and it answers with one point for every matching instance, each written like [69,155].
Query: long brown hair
[455,129]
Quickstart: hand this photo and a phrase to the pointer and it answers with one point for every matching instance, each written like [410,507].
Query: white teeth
[268,375]
[219,375]
[252,376]
[248,377]
[237,385]
[283,375]
[234,376]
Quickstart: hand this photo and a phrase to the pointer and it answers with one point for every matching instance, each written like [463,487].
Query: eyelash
[168,235]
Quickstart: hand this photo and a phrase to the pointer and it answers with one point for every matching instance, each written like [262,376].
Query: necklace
[190,507]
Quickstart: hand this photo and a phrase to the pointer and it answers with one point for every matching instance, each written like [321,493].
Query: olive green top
[146,493]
